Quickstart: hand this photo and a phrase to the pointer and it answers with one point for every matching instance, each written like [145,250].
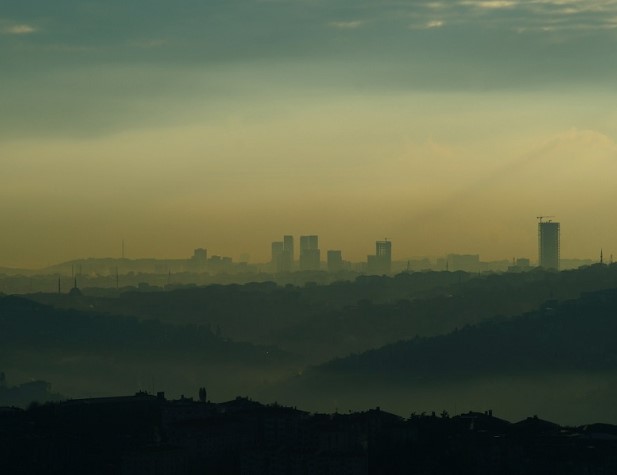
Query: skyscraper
[288,253]
[282,254]
[548,245]
[310,255]
[199,260]
[381,262]
[335,261]
[277,255]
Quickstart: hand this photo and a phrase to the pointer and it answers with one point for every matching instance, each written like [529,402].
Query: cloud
[434,24]
[435,5]
[590,141]
[490,4]
[427,25]
[21,29]
[346,25]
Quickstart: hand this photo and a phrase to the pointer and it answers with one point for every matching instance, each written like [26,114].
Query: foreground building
[147,434]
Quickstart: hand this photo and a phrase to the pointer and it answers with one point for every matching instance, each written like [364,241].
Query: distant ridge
[560,359]
[16,271]
[576,335]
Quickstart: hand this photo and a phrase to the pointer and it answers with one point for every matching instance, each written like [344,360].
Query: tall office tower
[277,255]
[383,251]
[335,261]
[288,254]
[288,245]
[381,262]
[309,242]
[310,256]
[548,245]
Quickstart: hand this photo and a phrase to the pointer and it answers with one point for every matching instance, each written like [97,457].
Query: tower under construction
[548,244]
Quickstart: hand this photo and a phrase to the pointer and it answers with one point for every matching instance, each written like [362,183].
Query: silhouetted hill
[178,337]
[13,271]
[82,352]
[564,355]
[577,335]
[24,323]
[326,321]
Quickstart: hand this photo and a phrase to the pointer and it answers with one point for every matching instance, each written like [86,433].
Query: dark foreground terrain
[146,434]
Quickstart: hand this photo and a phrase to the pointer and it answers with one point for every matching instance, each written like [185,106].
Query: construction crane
[540,218]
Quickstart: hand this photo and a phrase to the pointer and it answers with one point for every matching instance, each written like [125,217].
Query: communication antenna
[123,249]
[540,218]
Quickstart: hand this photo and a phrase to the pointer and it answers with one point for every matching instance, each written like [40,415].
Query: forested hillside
[327,321]
[561,357]
[86,353]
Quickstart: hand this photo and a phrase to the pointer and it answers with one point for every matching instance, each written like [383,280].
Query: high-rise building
[282,254]
[288,254]
[200,255]
[288,246]
[383,249]
[309,242]
[381,262]
[548,245]
[310,255]
[335,261]
[199,260]
[277,255]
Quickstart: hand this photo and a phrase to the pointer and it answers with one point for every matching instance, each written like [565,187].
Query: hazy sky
[445,126]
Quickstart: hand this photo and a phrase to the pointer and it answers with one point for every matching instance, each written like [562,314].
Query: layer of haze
[444,126]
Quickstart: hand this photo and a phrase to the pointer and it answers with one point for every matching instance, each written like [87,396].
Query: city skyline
[283,258]
[443,125]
